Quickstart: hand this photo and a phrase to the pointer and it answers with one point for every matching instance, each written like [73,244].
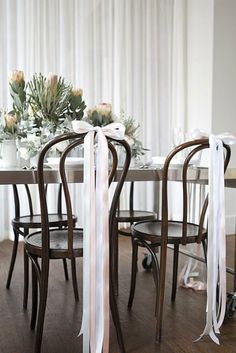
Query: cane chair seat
[134,216]
[58,243]
[151,232]
[34,221]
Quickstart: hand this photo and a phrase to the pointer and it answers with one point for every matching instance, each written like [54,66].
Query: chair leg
[34,294]
[112,295]
[115,257]
[74,279]
[133,272]
[156,276]
[161,293]
[65,269]
[155,267]
[13,258]
[26,280]
[42,305]
[175,271]
[115,316]
[204,245]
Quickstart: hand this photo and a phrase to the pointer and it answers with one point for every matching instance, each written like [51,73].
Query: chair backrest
[74,140]
[30,210]
[186,153]
[131,197]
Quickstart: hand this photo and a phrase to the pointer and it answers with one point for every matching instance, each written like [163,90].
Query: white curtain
[130,53]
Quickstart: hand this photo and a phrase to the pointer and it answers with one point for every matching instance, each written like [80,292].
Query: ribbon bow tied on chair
[95,322]
[216,250]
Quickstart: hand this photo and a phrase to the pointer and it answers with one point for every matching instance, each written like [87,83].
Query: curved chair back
[74,140]
[187,152]
[17,204]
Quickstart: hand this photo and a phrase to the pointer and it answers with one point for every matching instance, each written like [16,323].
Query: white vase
[9,153]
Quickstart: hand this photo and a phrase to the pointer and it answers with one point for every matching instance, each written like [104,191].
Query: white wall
[211,77]
[224,69]
[224,86]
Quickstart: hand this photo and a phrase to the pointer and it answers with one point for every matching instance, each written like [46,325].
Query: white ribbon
[95,322]
[216,252]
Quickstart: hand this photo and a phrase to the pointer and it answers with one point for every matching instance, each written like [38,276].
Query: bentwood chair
[23,223]
[129,216]
[151,234]
[67,243]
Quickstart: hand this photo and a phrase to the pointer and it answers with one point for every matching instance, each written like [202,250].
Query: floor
[183,320]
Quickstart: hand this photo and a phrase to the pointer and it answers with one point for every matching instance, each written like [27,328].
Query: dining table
[196,174]
[141,173]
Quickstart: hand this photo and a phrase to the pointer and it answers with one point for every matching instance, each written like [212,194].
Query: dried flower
[18,93]
[76,105]
[16,76]
[8,125]
[100,115]
[77,92]
[11,120]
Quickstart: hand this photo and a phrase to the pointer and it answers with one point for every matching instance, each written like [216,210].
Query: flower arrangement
[46,106]
[42,108]
[101,115]
[48,99]
[53,101]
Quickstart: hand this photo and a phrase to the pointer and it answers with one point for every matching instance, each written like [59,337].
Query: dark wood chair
[23,223]
[151,234]
[49,244]
[129,216]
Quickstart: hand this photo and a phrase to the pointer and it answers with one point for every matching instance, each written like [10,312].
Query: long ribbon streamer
[216,250]
[95,321]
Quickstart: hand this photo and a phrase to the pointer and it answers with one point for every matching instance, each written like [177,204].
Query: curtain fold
[125,52]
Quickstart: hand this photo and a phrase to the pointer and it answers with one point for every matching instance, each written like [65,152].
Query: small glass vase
[9,153]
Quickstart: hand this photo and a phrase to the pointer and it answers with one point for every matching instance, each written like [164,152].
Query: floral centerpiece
[42,108]
[46,106]
[101,115]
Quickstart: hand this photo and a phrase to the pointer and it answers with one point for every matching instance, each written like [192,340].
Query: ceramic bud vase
[9,153]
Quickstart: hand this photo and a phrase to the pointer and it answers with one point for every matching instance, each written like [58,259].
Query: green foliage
[100,119]
[49,99]
[43,107]
[100,115]
[76,105]
[131,133]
